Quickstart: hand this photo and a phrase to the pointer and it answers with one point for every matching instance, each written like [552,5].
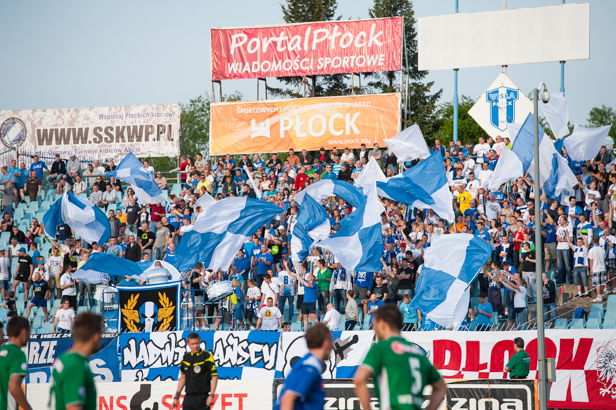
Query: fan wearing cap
[323,156]
[25,268]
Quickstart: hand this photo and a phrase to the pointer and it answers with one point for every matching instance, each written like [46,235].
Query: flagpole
[541,360]
[455,97]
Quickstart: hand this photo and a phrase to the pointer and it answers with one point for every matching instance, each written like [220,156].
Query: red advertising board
[332,47]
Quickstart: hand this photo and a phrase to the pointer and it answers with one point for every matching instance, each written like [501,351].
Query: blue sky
[65,54]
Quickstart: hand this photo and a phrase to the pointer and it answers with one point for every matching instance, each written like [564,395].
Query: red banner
[334,47]
[585,361]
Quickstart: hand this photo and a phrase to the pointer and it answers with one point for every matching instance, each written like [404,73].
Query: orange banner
[303,123]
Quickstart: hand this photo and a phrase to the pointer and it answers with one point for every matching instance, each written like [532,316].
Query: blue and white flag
[430,176]
[131,170]
[557,114]
[585,143]
[216,238]
[312,225]
[443,283]
[358,245]
[508,167]
[371,173]
[524,144]
[101,267]
[89,222]
[327,187]
[204,202]
[258,192]
[409,144]
[403,189]
[556,175]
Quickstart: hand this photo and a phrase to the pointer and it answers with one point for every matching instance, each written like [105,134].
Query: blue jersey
[483,235]
[310,293]
[499,196]
[364,280]
[305,381]
[170,257]
[174,221]
[242,265]
[38,167]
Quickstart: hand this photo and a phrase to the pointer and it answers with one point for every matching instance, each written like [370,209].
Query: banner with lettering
[585,361]
[43,350]
[103,133]
[303,123]
[327,47]
[239,355]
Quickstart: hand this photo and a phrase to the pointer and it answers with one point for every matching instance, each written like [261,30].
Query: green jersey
[323,283]
[72,383]
[401,371]
[12,362]
[519,364]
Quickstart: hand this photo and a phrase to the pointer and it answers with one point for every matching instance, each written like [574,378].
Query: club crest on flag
[154,310]
[502,106]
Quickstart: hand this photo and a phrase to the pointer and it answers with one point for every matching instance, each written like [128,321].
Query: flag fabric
[358,245]
[430,176]
[100,267]
[556,175]
[327,187]
[524,145]
[89,222]
[371,173]
[312,225]
[204,202]
[585,143]
[557,114]
[131,170]
[513,130]
[409,144]
[252,181]
[508,167]
[403,189]
[216,238]
[443,283]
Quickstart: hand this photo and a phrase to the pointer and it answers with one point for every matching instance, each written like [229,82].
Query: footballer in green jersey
[13,365]
[399,368]
[72,381]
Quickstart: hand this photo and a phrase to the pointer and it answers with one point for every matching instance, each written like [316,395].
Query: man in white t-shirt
[287,291]
[64,318]
[348,156]
[5,271]
[68,286]
[472,186]
[596,264]
[493,208]
[253,302]
[499,145]
[332,318]
[592,195]
[269,289]
[56,266]
[14,249]
[485,175]
[270,317]
[481,149]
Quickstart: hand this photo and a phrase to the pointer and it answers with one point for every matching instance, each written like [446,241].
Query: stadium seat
[3,315]
[5,236]
[611,301]
[82,309]
[593,323]
[597,308]
[577,324]
[561,323]
[38,322]
[609,323]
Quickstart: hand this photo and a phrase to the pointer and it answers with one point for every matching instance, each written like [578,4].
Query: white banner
[230,395]
[104,133]
[585,361]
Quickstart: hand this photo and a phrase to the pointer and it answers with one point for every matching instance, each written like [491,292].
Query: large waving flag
[508,167]
[255,186]
[409,144]
[430,176]
[100,267]
[132,171]
[557,114]
[327,187]
[312,224]
[204,202]
[216,238]
[372,173]
[89,222]
[556,175]
[443,284]
[358,245]
[524,144]
[403,189]
[584,143]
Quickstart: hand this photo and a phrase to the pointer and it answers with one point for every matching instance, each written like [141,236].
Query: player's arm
[361,385]
[17,392]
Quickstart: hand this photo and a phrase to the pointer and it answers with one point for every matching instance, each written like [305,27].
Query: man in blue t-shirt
[481,232]
[264,262]
[242,263]
[309,305]
[38,167]
[303,385]
[373,305]
[483,314]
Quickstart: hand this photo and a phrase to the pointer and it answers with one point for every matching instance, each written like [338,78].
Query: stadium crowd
[35,271]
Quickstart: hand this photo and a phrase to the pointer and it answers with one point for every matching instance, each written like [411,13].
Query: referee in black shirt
[198,373]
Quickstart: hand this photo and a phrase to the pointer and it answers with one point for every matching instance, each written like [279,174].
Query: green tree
[468,129]
[305,11]
[601,116]
[195,132]
[422,109]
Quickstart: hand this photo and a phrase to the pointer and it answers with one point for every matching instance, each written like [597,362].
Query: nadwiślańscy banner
[238,355]
[149,308]
[102,133]
[327,47]
[585,361]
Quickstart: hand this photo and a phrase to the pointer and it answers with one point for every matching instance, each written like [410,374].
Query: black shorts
[21,276]
[300,300]
[195,402]
[308,308]
[250,314]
